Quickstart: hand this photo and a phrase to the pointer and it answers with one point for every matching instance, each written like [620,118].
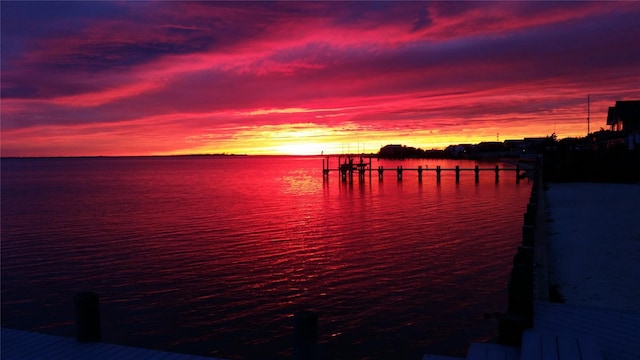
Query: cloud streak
[184,77]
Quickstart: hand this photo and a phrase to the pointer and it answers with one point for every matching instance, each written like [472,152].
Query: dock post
[325,169]
[399,173]
[520,290]
[497,173]
[477,170]
[420,173]
[517,174]
[529,218]
[438,171]
[305,334]
[328,172]
[457,174]
[350,170]
[87,307]
[528,235]
[380,172]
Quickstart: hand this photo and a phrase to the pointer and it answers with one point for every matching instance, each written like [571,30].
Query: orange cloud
[253,78]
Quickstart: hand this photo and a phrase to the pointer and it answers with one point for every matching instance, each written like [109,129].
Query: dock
[19,345]
[600,319]
[347,167]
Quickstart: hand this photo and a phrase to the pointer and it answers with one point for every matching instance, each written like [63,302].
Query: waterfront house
[625,119]
[625,116]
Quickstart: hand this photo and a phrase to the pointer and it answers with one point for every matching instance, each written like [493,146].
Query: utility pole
[588,115]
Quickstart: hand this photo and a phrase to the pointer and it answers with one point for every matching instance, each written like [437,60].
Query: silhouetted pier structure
[19,344]
[347,167]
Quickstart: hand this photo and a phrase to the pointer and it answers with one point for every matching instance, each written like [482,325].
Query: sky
[161,78]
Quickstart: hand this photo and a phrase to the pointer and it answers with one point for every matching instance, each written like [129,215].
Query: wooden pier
[18,344]
[347,167]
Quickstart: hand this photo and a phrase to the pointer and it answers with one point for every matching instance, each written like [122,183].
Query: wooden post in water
[529,218]
[420,173]
[517,174]
[457,174]
[528,235]
[305,334]
[87,307]
[325,169]
[438,171]
[520,290]
[477,170]
[380,172]
[497,173]
[399,173]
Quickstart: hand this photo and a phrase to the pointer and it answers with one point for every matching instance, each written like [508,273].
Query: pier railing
[347,168]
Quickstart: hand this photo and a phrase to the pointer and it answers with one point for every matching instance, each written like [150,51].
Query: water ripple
[213,256]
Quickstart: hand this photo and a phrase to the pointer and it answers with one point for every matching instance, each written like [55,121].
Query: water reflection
[209,255]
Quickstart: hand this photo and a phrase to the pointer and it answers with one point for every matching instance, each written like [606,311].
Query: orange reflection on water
[231,246]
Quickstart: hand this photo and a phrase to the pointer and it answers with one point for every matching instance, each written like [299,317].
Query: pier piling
[521,293]
[305,328]
[477,171]
[325,168]
[87,307]
[457,174]
[528,235]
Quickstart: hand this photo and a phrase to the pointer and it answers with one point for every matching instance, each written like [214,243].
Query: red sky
[142,78]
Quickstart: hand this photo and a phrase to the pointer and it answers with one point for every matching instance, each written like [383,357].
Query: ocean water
[213,255]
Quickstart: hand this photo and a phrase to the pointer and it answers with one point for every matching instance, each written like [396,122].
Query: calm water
[212,256]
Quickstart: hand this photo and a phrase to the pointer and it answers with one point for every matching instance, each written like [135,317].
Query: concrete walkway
[594,243]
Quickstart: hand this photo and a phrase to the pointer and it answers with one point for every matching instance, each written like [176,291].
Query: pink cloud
[208,71]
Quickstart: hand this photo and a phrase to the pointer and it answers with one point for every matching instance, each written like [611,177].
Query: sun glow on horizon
[302,78]
[302,148]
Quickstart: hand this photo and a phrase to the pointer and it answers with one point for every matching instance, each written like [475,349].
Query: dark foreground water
[213,255]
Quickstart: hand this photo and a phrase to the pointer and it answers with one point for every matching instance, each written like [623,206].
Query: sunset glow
[156,78]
